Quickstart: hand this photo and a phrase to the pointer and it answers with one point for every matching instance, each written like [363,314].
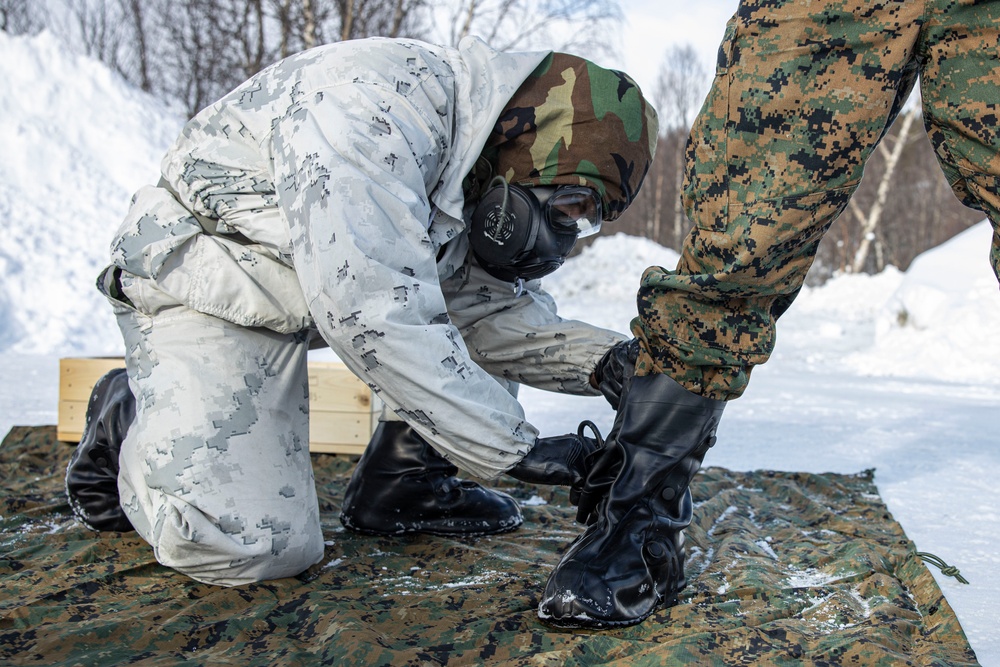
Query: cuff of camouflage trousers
[700,372]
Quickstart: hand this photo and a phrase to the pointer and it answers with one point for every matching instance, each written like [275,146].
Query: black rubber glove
[562,460]
[617,364]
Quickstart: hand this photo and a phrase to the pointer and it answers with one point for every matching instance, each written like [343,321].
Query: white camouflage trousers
[215,471]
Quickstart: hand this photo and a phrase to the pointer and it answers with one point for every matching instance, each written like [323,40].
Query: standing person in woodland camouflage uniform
[399,202]
[802,95]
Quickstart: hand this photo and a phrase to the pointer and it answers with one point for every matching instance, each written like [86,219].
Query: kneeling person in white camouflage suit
[396,201]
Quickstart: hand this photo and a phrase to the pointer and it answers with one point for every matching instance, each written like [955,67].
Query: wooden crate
[76,379]
[343,411]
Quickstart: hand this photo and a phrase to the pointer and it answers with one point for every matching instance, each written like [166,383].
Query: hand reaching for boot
[614,369]
[561,460]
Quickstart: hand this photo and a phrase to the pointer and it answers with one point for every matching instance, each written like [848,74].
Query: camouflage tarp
[785,569]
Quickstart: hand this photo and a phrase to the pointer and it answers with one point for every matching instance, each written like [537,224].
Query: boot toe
[564,608]
[576,596]
[480,511]
[604,580]
[569,609]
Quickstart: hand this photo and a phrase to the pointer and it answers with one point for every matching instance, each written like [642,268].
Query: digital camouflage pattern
[803,92]
[783,569]
[573,122]
[228,498]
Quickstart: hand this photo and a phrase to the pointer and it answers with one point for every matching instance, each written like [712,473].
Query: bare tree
[871,221]
[283,15]
[206,56]
[99,30]
[255,51]
[135,15]
[578,26]
[386,18]
[20,17]
[309,25]
[196,50]
[679,90]
[347,14]
[658,212]
[301,24]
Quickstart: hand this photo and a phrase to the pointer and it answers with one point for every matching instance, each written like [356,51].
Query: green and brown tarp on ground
[784,569]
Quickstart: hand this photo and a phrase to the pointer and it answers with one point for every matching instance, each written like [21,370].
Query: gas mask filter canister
[526,233]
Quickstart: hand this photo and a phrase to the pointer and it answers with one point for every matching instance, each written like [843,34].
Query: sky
[851,385]
[651,27]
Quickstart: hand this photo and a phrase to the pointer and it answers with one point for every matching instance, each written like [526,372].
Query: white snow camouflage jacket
[333,181]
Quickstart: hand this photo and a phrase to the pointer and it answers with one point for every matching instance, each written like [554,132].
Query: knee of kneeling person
[221,559]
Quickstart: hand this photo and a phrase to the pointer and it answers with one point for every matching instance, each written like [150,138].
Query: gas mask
[520,233]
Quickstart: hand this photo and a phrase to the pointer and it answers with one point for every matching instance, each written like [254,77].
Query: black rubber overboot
[401,485]
[631,558]
[92,473]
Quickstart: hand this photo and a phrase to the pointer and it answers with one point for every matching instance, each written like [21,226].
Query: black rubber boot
[401,485]
[630,559]
[92,473]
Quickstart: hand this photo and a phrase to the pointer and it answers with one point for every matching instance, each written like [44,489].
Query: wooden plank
[71,420]
[339,448]
[349,428]
[333,388]
[78,376]
[342,410]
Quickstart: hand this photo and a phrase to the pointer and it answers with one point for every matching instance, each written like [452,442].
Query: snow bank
[599,284]
[942,320]
[938,320]
[76,142]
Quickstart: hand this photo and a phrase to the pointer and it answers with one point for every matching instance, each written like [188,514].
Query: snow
[899,371]
[76,143]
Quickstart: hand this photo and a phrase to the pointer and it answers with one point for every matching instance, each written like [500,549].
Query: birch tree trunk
[875,214]
[309,29]
[348,21]
[141,48]
[680,221]
[470,15]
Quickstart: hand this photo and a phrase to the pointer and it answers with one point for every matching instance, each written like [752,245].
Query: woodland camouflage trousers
[804,90]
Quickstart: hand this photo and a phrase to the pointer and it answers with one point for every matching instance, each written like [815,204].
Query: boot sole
[594,624]
[427,531]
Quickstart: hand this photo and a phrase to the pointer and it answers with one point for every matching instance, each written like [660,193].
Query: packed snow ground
[897,372]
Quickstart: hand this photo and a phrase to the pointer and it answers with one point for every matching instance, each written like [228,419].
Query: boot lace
[585,424]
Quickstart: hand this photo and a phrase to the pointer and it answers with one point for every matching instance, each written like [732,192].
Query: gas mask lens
[571,208]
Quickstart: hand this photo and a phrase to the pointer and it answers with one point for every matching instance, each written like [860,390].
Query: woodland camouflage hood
[575,123]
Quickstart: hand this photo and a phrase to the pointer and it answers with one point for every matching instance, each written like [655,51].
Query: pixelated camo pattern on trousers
[803,93]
